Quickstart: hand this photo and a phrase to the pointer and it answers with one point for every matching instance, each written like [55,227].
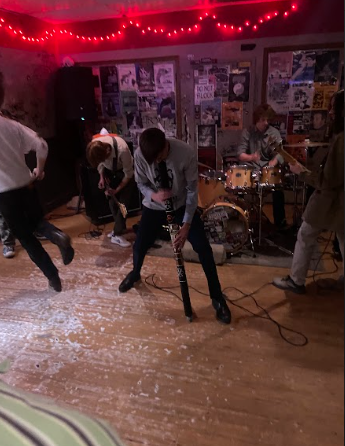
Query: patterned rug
[275,251]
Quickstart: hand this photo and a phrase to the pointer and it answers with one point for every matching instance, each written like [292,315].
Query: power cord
[150,281]
[324,252]
[94,233]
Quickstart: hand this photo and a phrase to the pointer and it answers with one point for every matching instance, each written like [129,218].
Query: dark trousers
[278,207]
[124,196]
[150,225]
[23,214]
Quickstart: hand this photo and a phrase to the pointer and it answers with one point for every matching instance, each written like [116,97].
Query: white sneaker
[111,234]
[118,240]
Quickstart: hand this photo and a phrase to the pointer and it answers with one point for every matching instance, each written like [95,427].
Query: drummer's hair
[152,143]
[263,110]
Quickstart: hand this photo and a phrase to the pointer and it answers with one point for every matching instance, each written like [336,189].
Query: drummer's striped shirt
[27,420]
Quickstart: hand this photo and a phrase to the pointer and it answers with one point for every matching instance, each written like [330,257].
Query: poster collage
[135,96]
[299,87]
[219,93]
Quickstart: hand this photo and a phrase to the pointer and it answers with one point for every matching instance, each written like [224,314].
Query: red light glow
[124,26]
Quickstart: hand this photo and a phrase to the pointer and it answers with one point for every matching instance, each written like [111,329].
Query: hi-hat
[307,144]
[205,165]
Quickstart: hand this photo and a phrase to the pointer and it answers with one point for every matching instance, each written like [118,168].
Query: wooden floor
[134,360]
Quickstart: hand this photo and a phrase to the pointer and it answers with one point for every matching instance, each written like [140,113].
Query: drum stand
[269,242]
[251,229]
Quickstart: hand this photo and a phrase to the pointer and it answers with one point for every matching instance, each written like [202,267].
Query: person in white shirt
[19,203]
[111,156]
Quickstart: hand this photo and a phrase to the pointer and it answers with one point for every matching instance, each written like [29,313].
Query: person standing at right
[325,208]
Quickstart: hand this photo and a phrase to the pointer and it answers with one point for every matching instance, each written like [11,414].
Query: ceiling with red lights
[63,11]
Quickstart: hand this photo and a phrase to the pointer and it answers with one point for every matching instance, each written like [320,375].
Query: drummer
[255,150]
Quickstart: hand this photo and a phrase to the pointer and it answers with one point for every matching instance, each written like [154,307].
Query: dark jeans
[124,196]
[278,207]
[23,214]
[149,228]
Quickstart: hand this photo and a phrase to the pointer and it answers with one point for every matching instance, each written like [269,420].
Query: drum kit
[231,201]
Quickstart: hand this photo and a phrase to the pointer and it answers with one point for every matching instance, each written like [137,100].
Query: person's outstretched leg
[149,226]
[197,238]
[12,207]
[306,241]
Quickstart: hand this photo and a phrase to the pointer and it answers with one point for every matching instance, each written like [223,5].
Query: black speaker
[96,203]
[75,96]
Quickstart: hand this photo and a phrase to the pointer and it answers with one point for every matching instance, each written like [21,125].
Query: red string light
[205,17]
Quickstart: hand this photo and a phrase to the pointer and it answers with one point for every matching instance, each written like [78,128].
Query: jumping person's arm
[30,141]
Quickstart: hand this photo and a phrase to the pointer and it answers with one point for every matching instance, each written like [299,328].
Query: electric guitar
[277,146]
[109,189]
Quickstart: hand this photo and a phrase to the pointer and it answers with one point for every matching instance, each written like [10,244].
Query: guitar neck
[289,158]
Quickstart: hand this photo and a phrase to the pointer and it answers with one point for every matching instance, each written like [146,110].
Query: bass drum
[226,224]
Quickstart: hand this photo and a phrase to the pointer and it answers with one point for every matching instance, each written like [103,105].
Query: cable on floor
[150,280]
[94,232]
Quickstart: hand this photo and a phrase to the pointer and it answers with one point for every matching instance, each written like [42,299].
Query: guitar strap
[116,150]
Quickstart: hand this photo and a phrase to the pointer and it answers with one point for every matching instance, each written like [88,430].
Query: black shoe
[223,313]
[67,254]
[128,282]
[55,283]
[63,241]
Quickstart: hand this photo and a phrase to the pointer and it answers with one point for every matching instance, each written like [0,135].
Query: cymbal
[307,144]
[205,165]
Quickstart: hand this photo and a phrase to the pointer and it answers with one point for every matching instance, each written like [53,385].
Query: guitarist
[325,208]
[112,158]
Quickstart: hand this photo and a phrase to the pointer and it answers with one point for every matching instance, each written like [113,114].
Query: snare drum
[271,177]
[226,224]
[240,177]
[209,190]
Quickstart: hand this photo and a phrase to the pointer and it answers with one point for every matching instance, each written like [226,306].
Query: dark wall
[59,184]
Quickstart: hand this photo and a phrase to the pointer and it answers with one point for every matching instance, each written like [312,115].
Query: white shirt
[16,141]
[124,156]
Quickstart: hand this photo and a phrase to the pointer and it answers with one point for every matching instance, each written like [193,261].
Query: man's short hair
[97,152]
[152,143]
[263,111]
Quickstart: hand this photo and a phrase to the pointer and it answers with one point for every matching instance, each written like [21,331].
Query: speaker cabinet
[75,96]
[96,203]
